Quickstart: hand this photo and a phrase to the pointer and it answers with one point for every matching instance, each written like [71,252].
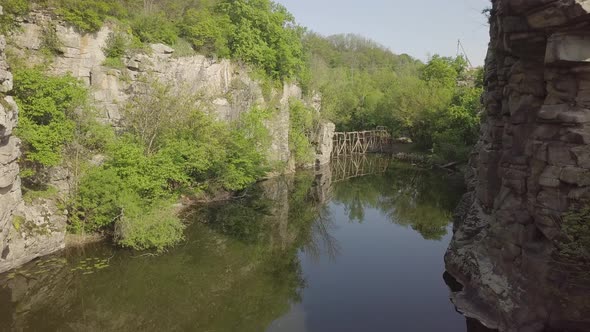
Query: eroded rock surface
[530,165]
[26,232]
[225,89]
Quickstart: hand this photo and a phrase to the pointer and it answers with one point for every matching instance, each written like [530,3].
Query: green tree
[47,124]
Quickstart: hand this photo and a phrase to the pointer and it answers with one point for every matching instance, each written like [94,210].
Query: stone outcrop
[323,143]
[226,89]
[26,231]
[530,166]
[10,192]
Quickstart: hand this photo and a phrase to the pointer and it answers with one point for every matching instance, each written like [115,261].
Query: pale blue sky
[416,27]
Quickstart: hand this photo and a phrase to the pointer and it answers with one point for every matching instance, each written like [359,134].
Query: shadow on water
[240,267]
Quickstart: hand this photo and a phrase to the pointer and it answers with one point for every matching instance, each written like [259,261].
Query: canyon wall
[530,167]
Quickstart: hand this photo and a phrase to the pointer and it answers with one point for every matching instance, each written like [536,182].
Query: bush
[208,33]
[155,29]
[116,45]
[50,42]
[116,63]
[301,129]
[47,113]
[97,203]
[12,9]
[183,48]
[90,15]
[156,227]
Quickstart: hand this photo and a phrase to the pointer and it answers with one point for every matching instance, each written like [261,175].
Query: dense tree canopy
[364,85]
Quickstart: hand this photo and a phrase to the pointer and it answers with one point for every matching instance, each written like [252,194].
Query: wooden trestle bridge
[361,142]
[357,165]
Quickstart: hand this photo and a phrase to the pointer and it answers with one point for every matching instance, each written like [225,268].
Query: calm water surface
[334,250]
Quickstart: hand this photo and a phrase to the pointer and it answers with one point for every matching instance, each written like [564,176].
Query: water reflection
[408,196]
[244,264]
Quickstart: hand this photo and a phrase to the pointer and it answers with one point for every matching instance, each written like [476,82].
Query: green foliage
[264,34]
[116,63]
[116,46]
[302,120]
[89,15]
[246,152]
[158,227]
[155,29]
[48,192]
[18,222]
[170,147]
[12,9]
[207,31]
[575,226]
[364,85]
[97,203]
[457,132]
[47,112]
[50,42]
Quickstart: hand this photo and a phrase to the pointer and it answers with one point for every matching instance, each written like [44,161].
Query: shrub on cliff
[265,34]
[49,110]
[207,31]
[89,15]
[155,28]
[301,121]
[12,9]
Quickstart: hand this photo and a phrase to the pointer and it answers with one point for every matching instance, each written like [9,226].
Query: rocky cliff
[26,231]
[530,167]
[225,90]
[10,192]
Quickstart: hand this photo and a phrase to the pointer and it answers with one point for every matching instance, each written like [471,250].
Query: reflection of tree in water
[409,196]
[237,271]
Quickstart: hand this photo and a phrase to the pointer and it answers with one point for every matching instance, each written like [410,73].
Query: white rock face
[10,192]
[26,232]
[226,88]
[323,142]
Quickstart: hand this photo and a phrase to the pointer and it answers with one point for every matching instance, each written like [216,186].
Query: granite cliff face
[530,166]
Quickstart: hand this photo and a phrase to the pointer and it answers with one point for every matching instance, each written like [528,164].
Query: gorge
[518,257]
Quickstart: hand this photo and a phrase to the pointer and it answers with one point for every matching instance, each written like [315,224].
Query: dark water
[328,251]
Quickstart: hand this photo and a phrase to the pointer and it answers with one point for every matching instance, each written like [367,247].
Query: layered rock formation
[10,191]
[26,231]
[225,88]
[530,167]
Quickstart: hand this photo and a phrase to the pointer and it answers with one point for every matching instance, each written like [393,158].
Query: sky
[419,28]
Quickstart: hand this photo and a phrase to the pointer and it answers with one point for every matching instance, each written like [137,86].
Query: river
[357,246]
